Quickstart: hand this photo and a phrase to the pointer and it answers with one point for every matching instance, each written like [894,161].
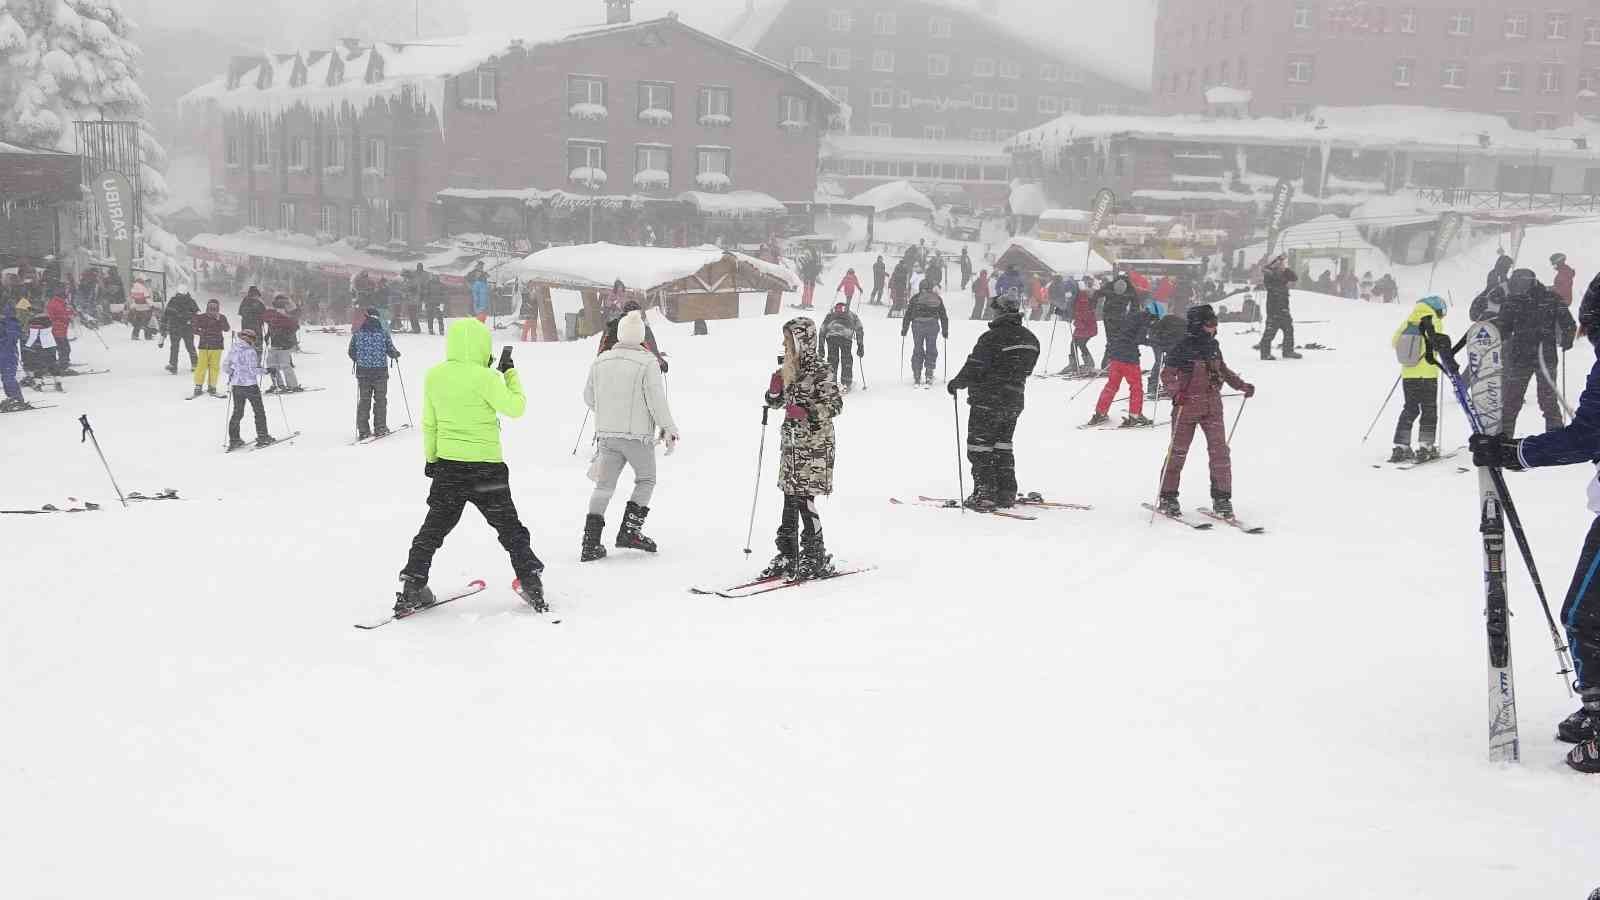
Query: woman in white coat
[629,399]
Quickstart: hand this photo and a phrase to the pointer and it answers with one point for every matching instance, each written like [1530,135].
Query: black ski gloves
[506,364]
[1496,451]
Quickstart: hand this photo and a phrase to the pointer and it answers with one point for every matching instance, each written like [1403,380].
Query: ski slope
[1086,705]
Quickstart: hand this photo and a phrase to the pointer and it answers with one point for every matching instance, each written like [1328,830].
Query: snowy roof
[526,195]
[303,248]
[1126,60]
[27,150]
[1028,199]
[1393,210]
[421,68]
[1222,94]
[893,195]
[1368,126]
[640,268]
[862,146]
[734,204]
[1063,258]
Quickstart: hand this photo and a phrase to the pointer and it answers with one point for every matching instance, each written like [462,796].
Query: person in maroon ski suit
[1193,377]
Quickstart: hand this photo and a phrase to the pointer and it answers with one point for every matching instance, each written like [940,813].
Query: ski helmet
[1521,283]
[1005,304]
[1201,316]
[1434,303]
[839,307]
[1557,259]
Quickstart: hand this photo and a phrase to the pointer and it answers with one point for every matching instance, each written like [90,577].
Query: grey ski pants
[611,455]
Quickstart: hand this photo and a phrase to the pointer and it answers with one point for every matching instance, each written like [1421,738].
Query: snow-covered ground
[1085,705]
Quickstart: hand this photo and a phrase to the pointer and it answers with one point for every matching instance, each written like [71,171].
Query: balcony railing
[1510,201]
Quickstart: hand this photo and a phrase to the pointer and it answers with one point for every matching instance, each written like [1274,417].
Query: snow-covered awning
[1053,257]
[335,258]
[734,204]
[1222,95]
[646,269]
[894,195]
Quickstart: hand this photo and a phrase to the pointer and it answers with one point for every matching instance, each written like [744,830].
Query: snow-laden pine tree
[67,60]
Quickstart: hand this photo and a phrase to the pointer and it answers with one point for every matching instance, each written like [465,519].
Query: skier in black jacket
[995,377]
[1578,442]
[1533,322]
[880,274]
[1277,277]
[177,324]
[252,310]
[925,315]
[839,329]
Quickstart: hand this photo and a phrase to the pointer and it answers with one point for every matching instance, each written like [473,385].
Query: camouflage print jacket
[806,465]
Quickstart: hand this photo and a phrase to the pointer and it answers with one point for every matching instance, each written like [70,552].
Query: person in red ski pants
[1193,377]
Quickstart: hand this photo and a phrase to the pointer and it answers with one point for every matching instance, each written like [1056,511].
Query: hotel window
[328,219]
[376,158]
[655,102]
[839,58]
[288,215]
[1301,69]
[939,27]
[1049,106]
[1508,78]
[882,98]
[840,20]
[1557,26]
[1010,68]
[933,132]
[981,134]
[903,99]
[230,150]
[655,159]
[1006,102]
[253,218]
[713,161]
[1244,19]
[938,64]
[716,106]
[586,161]
[883,60]
[399,227]
[1050,72]
[1460,24]
[1408,20]
[1404,71]
[803,54]
[1454,75]
[1550,79]
[335,150]
[299,153]
[1517,25]
[794,110]
[982,100]
[1591,31]
[478,89]
[1004,134]
[880,129]
[983,67]
[884,23]
[1302,16]
[358,222]
[263,154]
[1244,71]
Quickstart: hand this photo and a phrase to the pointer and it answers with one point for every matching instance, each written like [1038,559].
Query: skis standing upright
[1483,376]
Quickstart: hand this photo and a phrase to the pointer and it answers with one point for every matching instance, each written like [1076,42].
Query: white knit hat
[631,329]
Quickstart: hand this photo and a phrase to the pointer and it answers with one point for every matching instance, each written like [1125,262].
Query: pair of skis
[75,505]
[251,447]
[374,438]
[476,586]
[775,583]
[1213,515]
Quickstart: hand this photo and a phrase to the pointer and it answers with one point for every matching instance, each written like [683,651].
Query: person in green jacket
[462,401]
[1421,381]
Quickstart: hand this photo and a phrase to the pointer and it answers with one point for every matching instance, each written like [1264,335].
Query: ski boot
[1586,756]
[172,370]
[380,432]
[979,500]
[234,444]
[1097,419]
[814,562]
[1266,352]
[531,590]
[1136,422]
[628,536]
[212,392]
[916,378]
[1289,353]
[1167,505]
[1221,504]
[413,596]
[782,566]
[1576,728]
[266,440]
[198,390]
[9,405]
[592,548]
[1402,453]
[1427,453]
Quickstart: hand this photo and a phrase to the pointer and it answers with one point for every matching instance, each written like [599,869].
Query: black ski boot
[234,444]
[1402,453]
[172,369]
[266,440]
[593,549]
[1097,419]
[414,595]
[1576,728]
[814,562]
[1167,505]
[1586,756]
[1221,504]
[782,566]
[1136,422]
[979,500]
[1427,453]
[198,390]
[531,590]
[628,536]
[1289,353]
[1266,352]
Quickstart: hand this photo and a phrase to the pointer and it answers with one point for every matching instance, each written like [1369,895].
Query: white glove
[671,437]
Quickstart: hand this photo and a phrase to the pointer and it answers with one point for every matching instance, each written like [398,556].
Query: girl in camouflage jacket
[810,399]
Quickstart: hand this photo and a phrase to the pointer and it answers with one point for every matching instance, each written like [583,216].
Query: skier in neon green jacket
[462,401]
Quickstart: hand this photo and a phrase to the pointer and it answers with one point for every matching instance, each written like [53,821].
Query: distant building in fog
[1537,64]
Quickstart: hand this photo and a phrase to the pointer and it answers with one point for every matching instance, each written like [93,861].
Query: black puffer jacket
[1126,332]
[996,373]
[1277,282]
[179,316]
[926,305]
[1533,321]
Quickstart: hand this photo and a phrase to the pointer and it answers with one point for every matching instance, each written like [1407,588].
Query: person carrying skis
[462,401]
[1578,442]
[371,348]
[1533,323]
[252,310]
[629,399]
[926,319]
[10,343]
[282,327]
[810,401]
[177,324]
[209,326]
[840,329]
[60,321]
[1564,277]
[880,275]
[995,377]
[1193,378]
[1277,277]
[242,367]
[1420,379]
[850,284]
[1127,327]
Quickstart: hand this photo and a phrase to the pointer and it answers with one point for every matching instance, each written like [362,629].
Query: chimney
[618,12]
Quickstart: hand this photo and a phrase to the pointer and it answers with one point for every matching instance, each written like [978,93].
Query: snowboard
[472,587]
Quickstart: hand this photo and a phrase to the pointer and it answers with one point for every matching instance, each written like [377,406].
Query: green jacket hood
[469,341]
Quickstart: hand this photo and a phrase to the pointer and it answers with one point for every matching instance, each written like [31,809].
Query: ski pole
[946,378]
[407,400]
[761,456]
[961,476]
[1172,441]
[1561,399]
[283,410]
[1381,409]
[902,357]
[1447,361]
[585,424]
[1236,419]
[862,367]
[1086,386]
[1054,321]
[88,434]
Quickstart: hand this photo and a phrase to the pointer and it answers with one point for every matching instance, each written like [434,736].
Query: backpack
[1409,347]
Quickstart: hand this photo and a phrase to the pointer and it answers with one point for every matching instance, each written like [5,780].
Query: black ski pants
[1279,321]
[1421,397]
[1581,613]
[990,431]
[251,394]
[435,313]
[1518,372]
[411,314]
[486,486]
[840,361]
[877,293]
[372,400]
[801,525]
[1081,355]
[187,337]
[924,346]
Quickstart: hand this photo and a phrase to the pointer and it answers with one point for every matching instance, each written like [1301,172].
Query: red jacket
[850,285]
[1563,285]
[60,316]
[1083,323]
[1165,288]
